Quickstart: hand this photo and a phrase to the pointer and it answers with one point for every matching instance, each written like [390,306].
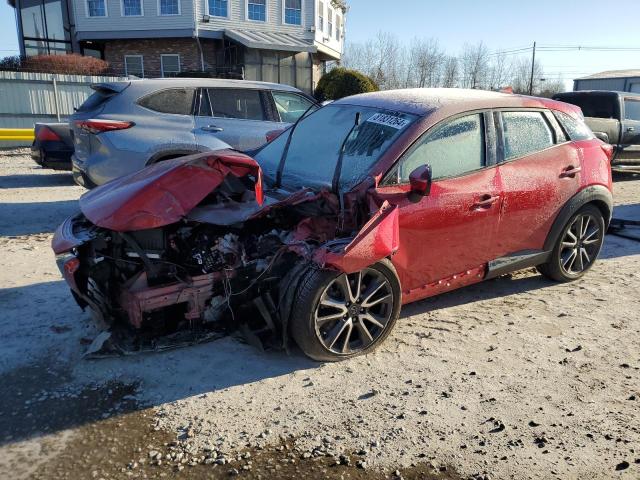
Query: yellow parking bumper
[16,134]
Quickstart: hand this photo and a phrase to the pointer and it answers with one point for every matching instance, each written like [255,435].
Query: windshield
[316,142]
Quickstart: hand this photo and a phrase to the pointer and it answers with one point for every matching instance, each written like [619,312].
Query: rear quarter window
[177,101]
[575,129]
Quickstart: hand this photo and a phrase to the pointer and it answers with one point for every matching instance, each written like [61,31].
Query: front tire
[577,247]
[338,316]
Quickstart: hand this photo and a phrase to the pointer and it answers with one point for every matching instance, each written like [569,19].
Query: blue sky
[498,23]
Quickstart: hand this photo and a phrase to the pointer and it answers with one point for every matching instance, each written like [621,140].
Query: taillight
[99,126]
[273,134]
[45,134]
[608,150]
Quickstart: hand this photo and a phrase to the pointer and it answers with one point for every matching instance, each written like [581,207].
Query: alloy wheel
[581,244]
[354,311]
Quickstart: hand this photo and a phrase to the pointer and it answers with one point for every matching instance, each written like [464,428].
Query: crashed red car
[369,203]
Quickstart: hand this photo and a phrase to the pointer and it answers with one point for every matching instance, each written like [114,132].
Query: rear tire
[577,247]
[337,316]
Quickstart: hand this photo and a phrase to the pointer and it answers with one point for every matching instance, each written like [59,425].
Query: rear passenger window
[178,101]
[525,133]
[236,103]
[453,148]
[632,110]
[576,129]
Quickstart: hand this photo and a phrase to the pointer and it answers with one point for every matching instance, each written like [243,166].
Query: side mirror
[420,181]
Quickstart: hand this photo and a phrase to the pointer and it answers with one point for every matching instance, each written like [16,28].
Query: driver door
[451,232]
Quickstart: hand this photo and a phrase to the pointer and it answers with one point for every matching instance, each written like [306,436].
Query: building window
[45,28]
[257,10]
[169,7]
[170,65]
[338,27]
[330,23]
[134,66]
[97,8]
[132,8]
[218,8]
[293,12]
[321,16]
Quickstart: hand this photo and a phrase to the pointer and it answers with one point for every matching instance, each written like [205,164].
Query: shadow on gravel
[53,179]
[55,389]
[34,217]
[35,401]
[616,246]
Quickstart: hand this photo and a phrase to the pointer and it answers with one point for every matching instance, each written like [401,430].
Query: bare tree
[521,75]
[475,65]
[388,61]
[499,74]
[426,60]
[450,72]
[548,88]
[424,63]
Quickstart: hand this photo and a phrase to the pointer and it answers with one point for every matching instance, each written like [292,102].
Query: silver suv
[125,126]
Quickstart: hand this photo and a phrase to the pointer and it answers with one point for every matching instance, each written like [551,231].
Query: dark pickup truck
[615,118]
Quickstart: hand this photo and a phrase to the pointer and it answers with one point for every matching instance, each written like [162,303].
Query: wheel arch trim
[599,195]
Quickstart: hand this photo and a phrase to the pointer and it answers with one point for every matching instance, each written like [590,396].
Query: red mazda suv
[364,205]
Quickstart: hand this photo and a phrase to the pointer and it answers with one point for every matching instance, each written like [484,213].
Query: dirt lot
[514,378]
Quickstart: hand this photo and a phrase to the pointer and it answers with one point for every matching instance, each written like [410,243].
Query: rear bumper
[54,157]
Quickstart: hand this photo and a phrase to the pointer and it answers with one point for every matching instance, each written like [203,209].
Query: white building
[286,41]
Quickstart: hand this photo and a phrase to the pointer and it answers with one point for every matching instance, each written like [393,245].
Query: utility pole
[533,66]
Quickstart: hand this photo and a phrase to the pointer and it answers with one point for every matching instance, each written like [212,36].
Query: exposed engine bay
[227,263]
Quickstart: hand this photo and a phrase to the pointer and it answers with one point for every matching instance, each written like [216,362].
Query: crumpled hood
[165,192]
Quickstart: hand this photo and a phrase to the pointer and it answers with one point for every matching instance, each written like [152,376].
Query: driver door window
[452,149]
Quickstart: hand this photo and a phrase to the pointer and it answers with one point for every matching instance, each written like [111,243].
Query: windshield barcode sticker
[389,120]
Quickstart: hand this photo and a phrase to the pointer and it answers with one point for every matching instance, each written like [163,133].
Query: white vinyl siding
[168,7]
[170,64]
[134,65]
[131,8]
[151,19]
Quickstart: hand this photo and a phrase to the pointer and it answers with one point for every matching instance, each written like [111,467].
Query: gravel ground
[513,378]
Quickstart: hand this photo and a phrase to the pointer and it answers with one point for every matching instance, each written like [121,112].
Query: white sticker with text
[389,120]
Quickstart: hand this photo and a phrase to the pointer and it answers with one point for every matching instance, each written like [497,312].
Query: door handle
[211,128]
[486,201]
[631,129]
[570,171]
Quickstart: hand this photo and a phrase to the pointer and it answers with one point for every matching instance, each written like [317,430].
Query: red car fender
[378,239]
[165,192]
